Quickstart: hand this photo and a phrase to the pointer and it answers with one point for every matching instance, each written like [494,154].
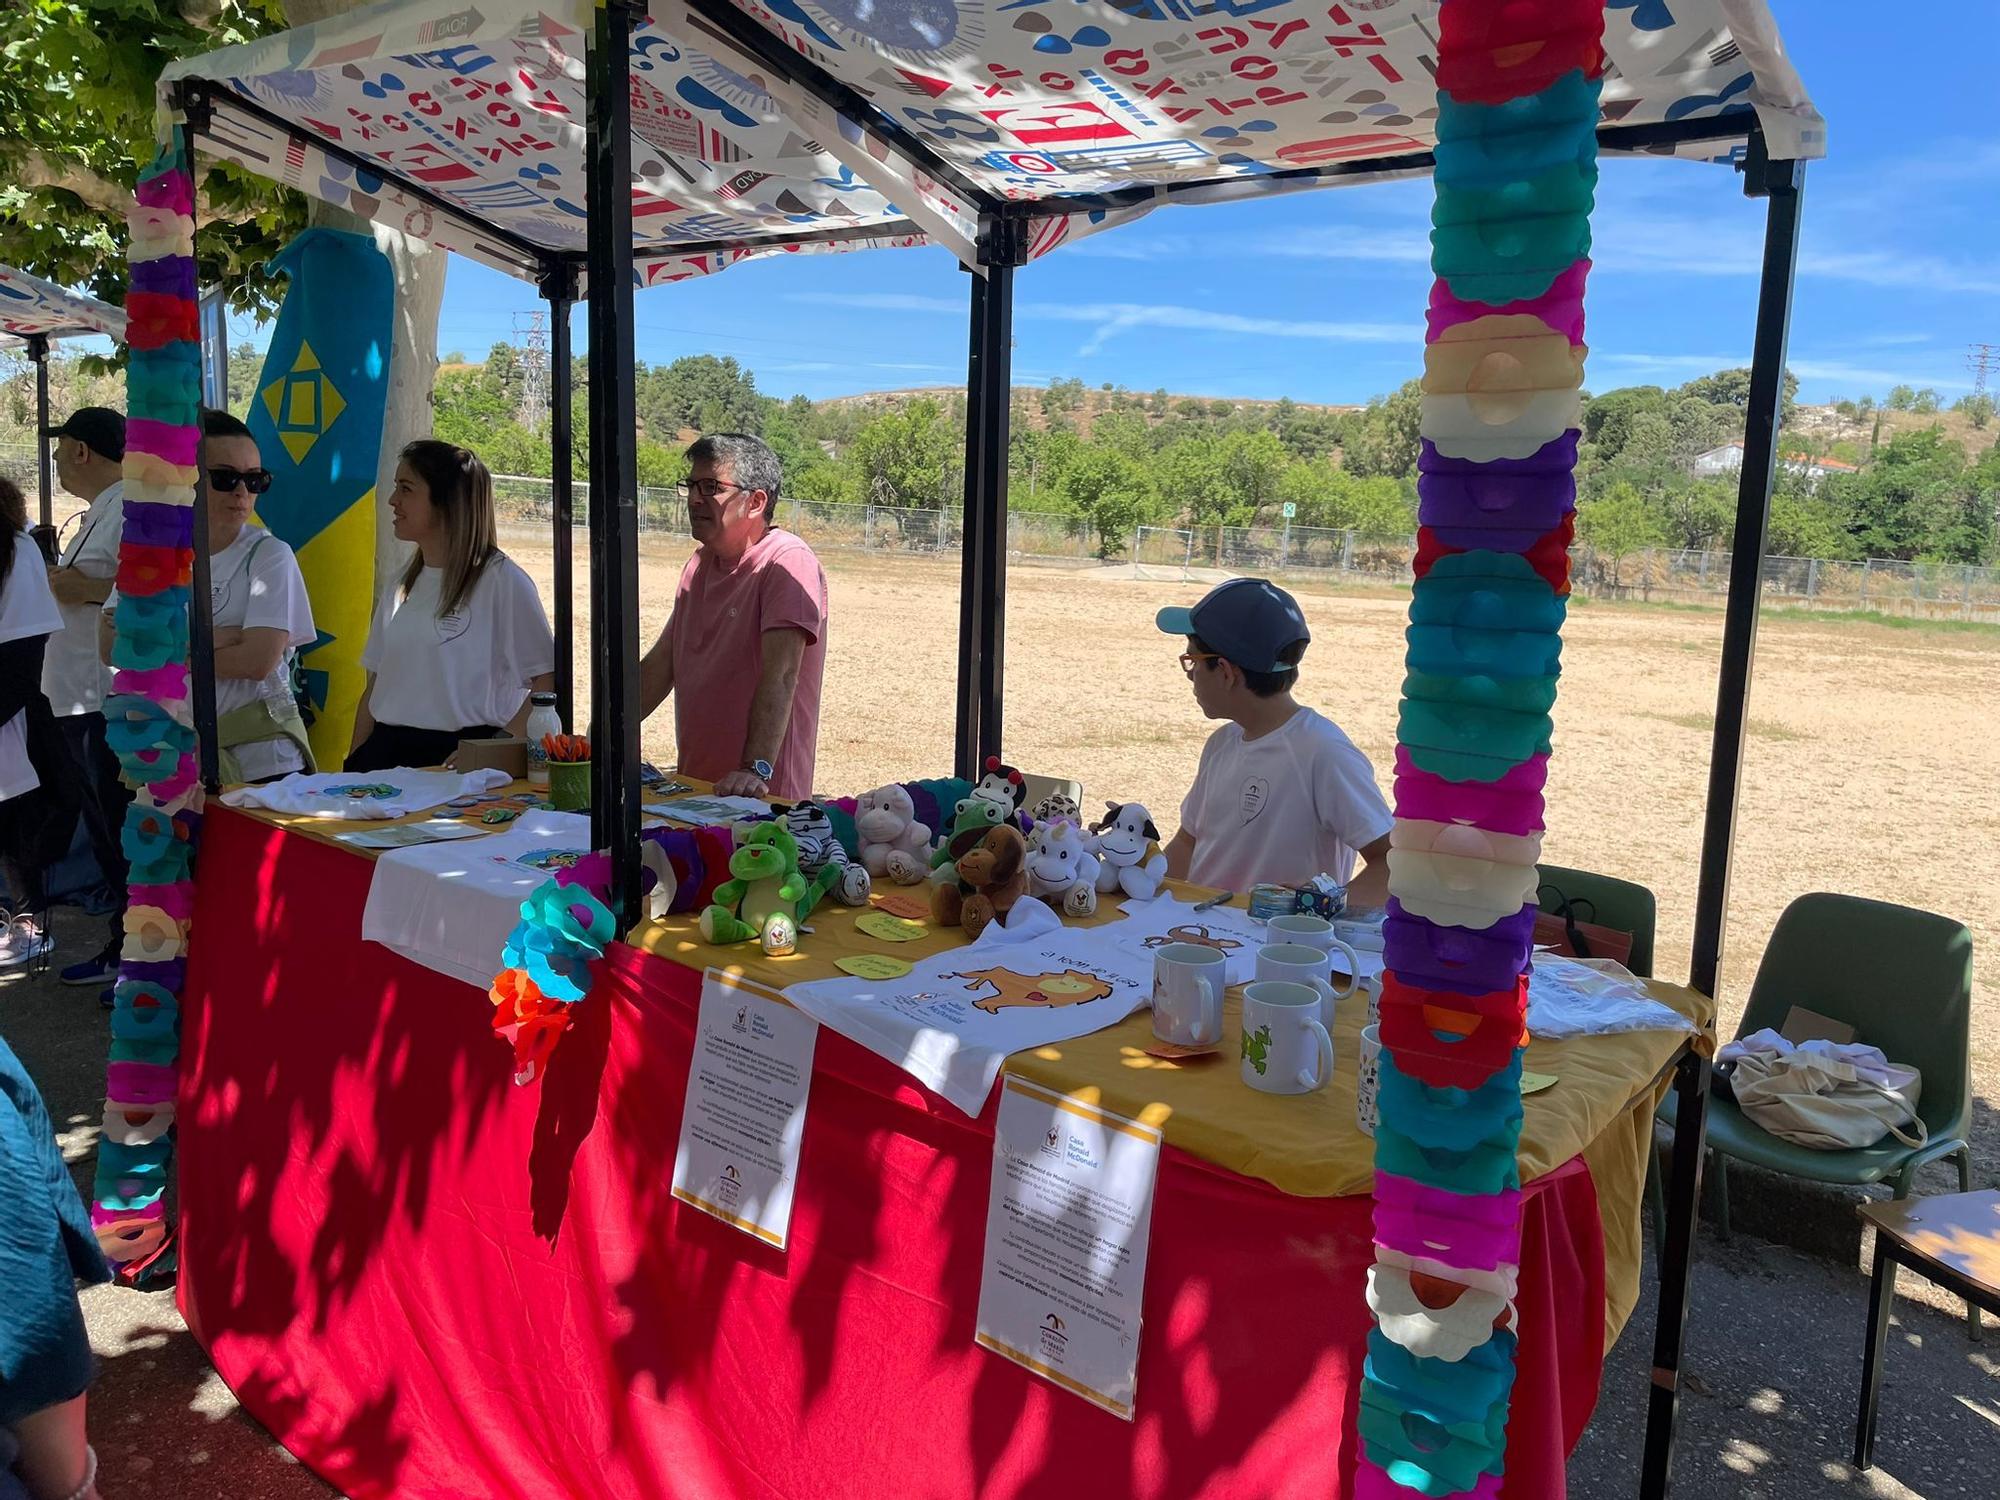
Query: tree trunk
[419,271]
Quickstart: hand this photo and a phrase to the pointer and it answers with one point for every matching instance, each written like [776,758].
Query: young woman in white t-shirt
[37,800]
[459,645]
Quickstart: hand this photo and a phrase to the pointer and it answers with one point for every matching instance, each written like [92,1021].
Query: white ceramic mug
[1295,963]
[1301,927]
[1188,981]
[1368,1080]
[1285,1048]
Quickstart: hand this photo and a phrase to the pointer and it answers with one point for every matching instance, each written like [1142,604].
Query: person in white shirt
[260,612]
[463,640]
[89,447]
[1281,794]
[37,796]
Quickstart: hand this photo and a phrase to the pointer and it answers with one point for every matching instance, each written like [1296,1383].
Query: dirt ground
[1870,765]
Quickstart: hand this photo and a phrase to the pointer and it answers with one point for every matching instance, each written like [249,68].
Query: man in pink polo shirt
[745,646]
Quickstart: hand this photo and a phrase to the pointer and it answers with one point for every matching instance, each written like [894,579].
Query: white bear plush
[893,843]
[1128,853]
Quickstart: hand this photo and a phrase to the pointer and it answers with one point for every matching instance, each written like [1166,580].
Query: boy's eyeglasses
[1192,659]
[256,481]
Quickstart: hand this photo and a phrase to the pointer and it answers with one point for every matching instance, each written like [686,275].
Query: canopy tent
[708,132]
[33,312]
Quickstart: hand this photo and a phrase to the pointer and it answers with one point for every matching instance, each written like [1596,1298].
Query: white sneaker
[22,942]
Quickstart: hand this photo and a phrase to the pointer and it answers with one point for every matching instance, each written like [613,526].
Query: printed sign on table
[1067,1222]
[745,1117]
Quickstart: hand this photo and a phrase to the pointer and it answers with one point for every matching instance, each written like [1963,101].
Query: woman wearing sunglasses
[459,646]
[257,600]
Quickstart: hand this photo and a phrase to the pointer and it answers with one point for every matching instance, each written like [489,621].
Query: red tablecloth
[429,1283]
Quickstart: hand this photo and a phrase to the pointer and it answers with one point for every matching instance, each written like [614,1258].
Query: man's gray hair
[748,461]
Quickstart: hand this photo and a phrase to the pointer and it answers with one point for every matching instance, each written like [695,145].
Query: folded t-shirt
[365,796]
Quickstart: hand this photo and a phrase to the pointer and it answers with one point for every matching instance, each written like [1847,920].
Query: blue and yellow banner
[317,417]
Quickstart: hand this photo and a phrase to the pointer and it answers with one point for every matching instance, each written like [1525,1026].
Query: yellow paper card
[1534,1083]
[872,966]
[879,924]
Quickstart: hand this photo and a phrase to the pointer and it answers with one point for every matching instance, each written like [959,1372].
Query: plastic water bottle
[542,719]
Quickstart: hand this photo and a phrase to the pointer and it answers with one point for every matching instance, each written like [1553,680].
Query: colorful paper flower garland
[149,720]
[1516,174]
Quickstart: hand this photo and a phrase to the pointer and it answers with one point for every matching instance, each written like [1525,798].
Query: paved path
[1775,1354]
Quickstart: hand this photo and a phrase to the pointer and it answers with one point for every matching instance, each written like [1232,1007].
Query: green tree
[1254,462]
[1192,475]
[1616,524]
[700,393]
[1111,492]
[909,457]
[1925,403]
[1901,398]
[1977,408]
[1387,438]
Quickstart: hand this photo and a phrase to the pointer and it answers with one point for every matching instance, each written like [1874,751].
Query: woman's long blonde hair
[462,493]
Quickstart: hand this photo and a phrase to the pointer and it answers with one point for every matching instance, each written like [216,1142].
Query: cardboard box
[510,756]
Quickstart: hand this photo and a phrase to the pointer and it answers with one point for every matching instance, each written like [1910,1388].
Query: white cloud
[1109,319]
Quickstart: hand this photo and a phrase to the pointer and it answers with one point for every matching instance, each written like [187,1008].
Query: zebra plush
[812,830]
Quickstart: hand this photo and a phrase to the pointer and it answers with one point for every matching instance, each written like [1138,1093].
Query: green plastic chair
[1617,904]
[1902,979]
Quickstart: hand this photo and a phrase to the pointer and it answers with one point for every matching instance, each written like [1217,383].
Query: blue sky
[1319,296]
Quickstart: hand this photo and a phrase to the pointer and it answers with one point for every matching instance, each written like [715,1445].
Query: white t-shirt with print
[73,677]
[254,584]
[1292,804]
[27,608]
[465,669]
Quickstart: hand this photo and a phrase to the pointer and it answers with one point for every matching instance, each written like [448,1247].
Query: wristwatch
[761,769]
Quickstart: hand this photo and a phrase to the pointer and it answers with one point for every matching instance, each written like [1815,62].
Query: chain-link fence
[1308,553]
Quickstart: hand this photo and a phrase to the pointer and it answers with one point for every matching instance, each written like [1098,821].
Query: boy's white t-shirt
[1295,803]
[255,584]
[27,608]
[465,669]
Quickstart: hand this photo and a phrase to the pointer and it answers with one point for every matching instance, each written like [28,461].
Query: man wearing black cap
[89,454]
[1281,794]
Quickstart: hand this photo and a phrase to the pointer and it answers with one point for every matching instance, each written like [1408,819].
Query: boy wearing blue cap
[1281,794]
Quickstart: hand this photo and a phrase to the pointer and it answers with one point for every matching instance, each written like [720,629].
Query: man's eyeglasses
[1192,659]
[256,481]
[709,490]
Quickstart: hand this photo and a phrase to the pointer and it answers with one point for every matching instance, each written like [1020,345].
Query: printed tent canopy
[32,308]
[832,124]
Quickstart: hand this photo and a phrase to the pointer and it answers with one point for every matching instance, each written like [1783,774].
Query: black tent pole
[971,572]
[1782,184]
[614,481]
[558,286]
[201,608]
[38,351]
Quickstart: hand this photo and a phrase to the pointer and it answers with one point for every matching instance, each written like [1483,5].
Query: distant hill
[1080,405]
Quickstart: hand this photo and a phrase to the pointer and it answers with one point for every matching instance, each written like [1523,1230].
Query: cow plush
[1127,846]
[894,845]
[991,878]
[1061,869]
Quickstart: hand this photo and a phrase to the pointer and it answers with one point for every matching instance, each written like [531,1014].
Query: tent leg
[614,481]
[1691,1076]
[1782,183]
[559,288]
[38,351]
[971,567]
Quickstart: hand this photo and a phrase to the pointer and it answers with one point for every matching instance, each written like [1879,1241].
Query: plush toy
[991,878]
[974,815]
[766,897]
[820,850]
[1058,805]
[1061,869]
[893,843]
[1002,786]
[1127,848]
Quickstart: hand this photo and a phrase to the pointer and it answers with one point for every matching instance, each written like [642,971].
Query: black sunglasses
[256,481]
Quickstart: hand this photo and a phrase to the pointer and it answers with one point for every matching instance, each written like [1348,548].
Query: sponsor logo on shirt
[450,627]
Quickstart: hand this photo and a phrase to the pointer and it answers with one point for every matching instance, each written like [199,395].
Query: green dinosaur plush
[766,897]
[969,823]
[1257,1046]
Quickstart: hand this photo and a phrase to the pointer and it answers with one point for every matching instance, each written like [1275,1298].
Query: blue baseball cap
[1249,621]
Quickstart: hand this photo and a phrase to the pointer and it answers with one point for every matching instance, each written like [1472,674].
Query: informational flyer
[745,1117]
[1067,1222]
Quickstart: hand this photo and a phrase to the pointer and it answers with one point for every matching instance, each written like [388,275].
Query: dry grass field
[1870,768]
